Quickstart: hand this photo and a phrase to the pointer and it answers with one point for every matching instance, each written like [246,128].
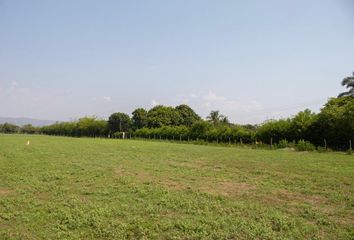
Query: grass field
[72,188]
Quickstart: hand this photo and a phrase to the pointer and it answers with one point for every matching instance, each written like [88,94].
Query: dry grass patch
[145,176]
[5,192]
[226,188]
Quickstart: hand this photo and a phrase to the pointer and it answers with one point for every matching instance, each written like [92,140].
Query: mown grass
[82,188]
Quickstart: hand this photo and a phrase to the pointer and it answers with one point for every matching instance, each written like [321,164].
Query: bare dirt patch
[227,188]
[298,197]
[191,165]
[4,192]
[119,172]
[44,196]
[208,185]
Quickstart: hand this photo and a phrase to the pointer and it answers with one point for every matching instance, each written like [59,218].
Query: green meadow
[92,188]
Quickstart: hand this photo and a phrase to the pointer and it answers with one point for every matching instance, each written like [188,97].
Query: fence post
[180,138]
[229,141]
[217,140]
[241,141]
[271,142]
[350,146]
[325,144]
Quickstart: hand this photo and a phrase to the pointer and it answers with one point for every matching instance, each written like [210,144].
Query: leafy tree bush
[276,130]
[139,119]
[87,126]
[283,144]
[28,129]
[200,129]
[119,122]
[335,124]
[160,116]
[303,145]
[300,125]
[216,118]
[91,127]
[9,128]
[348,82]
[187,115]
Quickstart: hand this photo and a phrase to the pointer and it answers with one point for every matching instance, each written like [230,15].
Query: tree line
[332,127]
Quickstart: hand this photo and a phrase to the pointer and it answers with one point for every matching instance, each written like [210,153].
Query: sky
[252,60]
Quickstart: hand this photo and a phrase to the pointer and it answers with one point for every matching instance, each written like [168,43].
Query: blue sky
[252,60]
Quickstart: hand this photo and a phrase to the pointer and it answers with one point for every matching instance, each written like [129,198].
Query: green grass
[82,188]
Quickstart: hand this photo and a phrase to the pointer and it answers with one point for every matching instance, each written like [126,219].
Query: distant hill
[23,121]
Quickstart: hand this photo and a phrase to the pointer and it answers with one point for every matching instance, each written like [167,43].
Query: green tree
[301,123]
[92,127]
[348,82]
[276,130]
[335,123]
[29,129]
[187,114]
[200,129]
[160,116]
[139,118]
[119,122]
[216,118]
[9,128]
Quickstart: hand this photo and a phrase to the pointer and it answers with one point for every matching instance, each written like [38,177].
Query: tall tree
[29,129]
[139,119]
[188,116]
[348,82]
[119,122]
[301,123]
[92,127]
[160,116]
[335,123]
[9,128]
[215,117]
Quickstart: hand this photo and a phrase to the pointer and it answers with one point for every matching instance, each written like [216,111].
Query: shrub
[320,149]
[283,144]
[118,135]
[303,145]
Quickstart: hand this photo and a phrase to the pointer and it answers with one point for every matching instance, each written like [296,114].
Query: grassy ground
[71,188]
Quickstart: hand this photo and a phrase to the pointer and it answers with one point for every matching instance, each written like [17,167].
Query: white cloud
[212,97]
[193,95]
[107,98]
[236,110]
[221,102]
[14,84]
[154,103]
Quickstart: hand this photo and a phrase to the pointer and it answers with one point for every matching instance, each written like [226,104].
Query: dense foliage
[348,82]
[87,126]
[332,127]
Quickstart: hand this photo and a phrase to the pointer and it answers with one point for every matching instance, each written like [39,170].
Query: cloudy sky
[252,60]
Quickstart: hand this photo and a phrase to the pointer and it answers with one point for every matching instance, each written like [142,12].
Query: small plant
[283,144]
[303,145]
[118,135]
[320,149]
